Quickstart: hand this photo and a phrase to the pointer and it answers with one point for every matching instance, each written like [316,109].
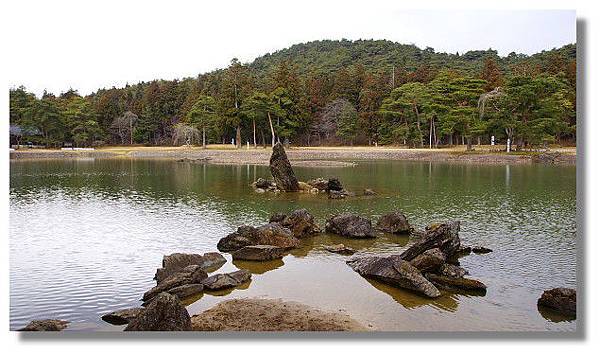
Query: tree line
[326,93]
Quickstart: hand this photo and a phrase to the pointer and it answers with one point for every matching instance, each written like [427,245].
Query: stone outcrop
[394,222]
[164,313]
[224,281]
[301,223]
[176,262]
[45,325]
[561,300]
[350,225]
[259,253]
[369,192]
[268,234]
[340,249]
[443,236]
[122,316]
[282,171]
[394,271]
[185,291]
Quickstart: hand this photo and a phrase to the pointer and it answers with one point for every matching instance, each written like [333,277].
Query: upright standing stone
[281,169]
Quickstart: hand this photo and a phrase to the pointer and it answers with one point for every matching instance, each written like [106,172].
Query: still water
[86,237]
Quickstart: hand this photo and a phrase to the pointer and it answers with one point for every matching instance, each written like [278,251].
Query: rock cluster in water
[560,300]
[425,266]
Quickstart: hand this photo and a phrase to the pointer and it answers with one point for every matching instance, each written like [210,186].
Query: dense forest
[344,92]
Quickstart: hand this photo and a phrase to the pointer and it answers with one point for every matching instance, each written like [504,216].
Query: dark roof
[23,131]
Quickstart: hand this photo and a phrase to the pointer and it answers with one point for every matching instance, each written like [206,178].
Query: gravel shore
[330,157]
[271,315]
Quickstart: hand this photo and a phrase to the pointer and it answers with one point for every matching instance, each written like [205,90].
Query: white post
[247,145]
[493,140]
[508,145]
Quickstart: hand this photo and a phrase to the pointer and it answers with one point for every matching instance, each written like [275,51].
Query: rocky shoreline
[429,267]
[302,157]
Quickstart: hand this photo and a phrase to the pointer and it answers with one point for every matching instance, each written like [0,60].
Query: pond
[86,237]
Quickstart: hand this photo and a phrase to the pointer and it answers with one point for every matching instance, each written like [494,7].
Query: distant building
[18,132]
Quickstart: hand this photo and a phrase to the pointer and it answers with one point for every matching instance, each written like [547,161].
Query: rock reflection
[553,316]
[258,267]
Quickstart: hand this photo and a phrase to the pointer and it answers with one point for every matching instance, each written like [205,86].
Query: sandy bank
[326,157]
[271,315]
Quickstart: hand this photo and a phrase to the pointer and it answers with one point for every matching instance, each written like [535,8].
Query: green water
[87,235]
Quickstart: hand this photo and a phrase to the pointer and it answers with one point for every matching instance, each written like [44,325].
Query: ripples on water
[87,236]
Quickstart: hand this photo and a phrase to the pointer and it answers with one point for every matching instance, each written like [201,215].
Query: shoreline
[302,156]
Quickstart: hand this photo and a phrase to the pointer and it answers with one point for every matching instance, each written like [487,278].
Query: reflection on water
[87,236]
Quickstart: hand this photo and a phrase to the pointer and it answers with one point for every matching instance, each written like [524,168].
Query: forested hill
[327,56]
[324,92]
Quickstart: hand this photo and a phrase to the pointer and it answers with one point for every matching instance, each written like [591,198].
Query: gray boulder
[350,225]
[394,222]
[394,271]
[319,183]
[561,300]
[224,281]
[442,236]
[282,171]
[259,253]
[164,313]
[45,325]
[122,316]
[268,234]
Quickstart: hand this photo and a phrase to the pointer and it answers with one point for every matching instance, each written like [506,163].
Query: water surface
[86,237]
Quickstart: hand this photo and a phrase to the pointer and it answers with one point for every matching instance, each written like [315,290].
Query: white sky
[61,44]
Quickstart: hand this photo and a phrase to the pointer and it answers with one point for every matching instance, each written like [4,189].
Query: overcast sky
[74,44]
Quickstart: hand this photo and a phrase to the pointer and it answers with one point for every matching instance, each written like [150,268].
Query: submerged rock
[369,192]
[178,261]
[394,222]
[261,183]
[340,249]
[561,300]
[350,225]
[301,223]
[456,283]
[394,271]
[282,171]
[122,316]
[430,260]
[45,325]
[259,253]
[268,234]
[230,280]
[277,217]
[164,313]
[480,250]
[442,236]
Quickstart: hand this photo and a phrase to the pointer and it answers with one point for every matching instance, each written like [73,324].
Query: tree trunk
[469,145]
[272,130]
[254,131]
[431,133]
[238,137]
[203,137]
